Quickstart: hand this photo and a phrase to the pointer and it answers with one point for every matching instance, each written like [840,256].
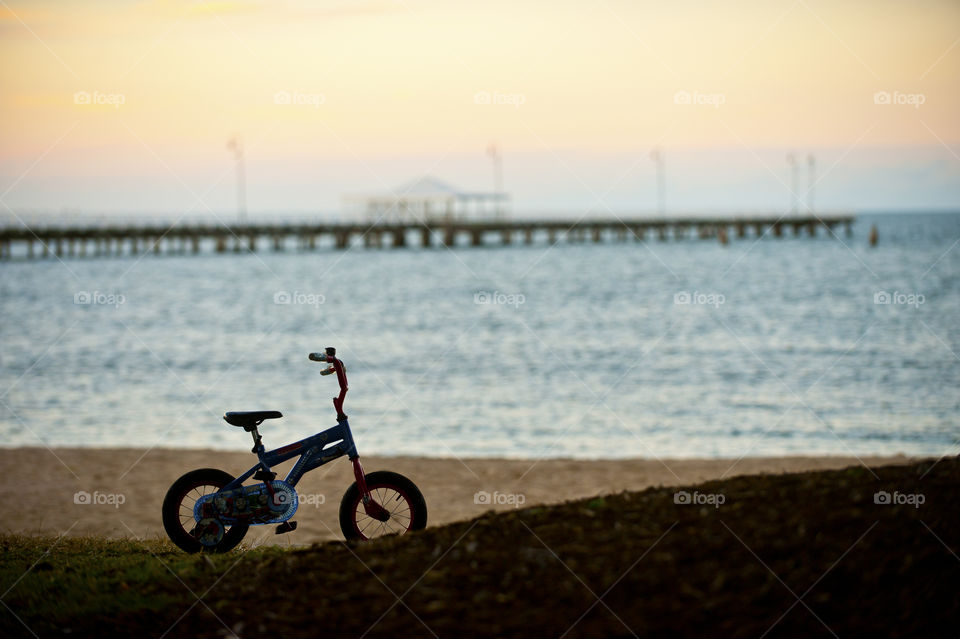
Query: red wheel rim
[395,501]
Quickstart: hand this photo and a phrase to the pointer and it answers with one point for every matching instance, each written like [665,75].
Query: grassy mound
[809,554]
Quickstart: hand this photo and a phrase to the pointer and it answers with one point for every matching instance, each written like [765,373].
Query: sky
[127,107]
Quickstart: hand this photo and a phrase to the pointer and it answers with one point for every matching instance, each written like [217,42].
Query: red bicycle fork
[370,506]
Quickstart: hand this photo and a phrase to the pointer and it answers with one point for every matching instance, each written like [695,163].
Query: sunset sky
[111,106]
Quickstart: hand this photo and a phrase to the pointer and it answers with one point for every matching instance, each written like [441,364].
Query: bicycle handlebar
[336,366]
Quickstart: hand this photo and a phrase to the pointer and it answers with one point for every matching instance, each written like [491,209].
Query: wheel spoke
[362,530]
[188,504]
[398,508]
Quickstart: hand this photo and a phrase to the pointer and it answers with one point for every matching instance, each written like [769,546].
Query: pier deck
[87,241]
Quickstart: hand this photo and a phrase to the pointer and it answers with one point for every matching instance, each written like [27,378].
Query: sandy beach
[130,484]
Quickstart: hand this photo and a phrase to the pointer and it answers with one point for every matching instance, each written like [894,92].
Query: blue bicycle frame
[314,451]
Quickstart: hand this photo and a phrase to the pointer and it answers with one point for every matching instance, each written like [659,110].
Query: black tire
[380,484]
[174,517]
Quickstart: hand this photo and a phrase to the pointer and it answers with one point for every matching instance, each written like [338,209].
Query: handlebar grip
[336,366]
[325,357]
[329,354]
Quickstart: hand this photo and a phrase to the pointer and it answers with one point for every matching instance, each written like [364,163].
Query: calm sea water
[581,351]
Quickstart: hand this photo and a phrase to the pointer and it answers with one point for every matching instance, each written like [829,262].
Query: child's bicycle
[209,510]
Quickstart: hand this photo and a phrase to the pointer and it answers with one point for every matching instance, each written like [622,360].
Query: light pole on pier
[657,156]
[811,180]
[494,152]
[794,181]
[236,145]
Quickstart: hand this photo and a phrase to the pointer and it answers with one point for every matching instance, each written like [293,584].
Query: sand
[130,485]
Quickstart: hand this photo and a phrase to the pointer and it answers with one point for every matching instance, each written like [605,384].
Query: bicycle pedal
[262,475]
[286,527]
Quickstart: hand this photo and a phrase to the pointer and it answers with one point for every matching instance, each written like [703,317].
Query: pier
[107,240]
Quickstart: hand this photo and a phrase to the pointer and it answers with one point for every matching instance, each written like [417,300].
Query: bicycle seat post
[257,443]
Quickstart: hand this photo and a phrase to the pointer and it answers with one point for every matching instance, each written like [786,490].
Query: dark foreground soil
[803,555]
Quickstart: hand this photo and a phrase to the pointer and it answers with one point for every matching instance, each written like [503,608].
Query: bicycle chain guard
[254,504]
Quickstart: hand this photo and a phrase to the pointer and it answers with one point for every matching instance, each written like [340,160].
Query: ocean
[790,346]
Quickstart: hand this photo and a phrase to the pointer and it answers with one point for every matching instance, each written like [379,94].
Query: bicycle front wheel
[399,496]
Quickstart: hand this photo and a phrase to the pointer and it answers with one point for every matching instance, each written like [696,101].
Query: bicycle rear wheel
[178,518]
[399,496]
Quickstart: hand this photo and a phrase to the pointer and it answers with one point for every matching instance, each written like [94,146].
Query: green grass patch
[51,582]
